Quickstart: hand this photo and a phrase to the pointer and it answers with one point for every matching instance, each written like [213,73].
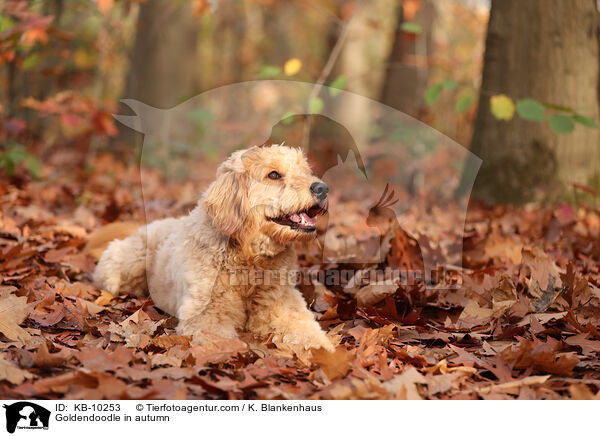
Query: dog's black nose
[319,190]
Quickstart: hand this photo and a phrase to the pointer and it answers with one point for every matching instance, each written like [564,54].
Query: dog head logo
[420,167]
[26,415]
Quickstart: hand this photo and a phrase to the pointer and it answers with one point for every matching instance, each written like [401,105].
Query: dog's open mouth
[305,220]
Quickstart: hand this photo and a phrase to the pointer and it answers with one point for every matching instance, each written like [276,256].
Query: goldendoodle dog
[227,265]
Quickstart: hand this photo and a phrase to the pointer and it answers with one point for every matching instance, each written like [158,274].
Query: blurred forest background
[514,81]
[529,109]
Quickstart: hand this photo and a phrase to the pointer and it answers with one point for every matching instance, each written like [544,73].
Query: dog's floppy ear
[226,200]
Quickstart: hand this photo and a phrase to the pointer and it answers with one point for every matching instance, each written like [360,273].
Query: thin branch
[321,9]
[333,56]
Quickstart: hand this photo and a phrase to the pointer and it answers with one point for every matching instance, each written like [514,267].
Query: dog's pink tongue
[303,219]
[308,221]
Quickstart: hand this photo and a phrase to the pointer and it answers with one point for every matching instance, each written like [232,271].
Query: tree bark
[163,61]
[361,52]
[547,50]
[406,72]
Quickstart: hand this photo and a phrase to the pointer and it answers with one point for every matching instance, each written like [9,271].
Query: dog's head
[267,190]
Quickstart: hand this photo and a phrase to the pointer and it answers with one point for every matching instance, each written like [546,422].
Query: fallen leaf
[91,308]
[104,299]
[504,296]
[405,385]
[44,359]
[540,355]
[13,310]
[12,373]
[588,347]
[334,364]
[98,359]
[375,292]
[167,341]
[473,312]
[527,381]
[164,360]
[217,350]
[580,391]
[439,384]
[545,276]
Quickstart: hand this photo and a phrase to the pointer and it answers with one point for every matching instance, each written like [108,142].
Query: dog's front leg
[206,328]
[283,311]
[207,315]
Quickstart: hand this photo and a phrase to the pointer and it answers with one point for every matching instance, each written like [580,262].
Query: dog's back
[126,249]
[121,249]
[100,238]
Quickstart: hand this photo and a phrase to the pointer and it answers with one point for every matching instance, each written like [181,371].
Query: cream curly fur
[197,267]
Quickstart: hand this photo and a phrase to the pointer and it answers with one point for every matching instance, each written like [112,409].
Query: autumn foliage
[523,324]
[523,321]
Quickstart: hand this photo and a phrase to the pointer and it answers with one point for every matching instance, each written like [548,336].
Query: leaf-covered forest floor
[524,323]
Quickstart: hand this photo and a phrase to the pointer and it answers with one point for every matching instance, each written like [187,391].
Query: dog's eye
[274,175]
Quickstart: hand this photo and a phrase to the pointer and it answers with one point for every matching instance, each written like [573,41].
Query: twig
[335,52]
[321,9]
[333,56]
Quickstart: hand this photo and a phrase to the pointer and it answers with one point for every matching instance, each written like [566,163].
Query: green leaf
[200,116]
[337,85]
[464,103]
[33,164]
[30,61]
[211,151]
[530,109]
[588,122]
[269,71]
[433,93]
[287,118]
[561,123]
[315,105]
[375,131]
[16,154]
[9,167]
[5,22]
[450,84]
[410,27]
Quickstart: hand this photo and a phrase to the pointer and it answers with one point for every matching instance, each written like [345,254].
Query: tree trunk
[547,50]
[163,61]
[361,52]
[406,72]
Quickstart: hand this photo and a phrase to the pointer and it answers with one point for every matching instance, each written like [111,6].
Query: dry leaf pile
[522,324]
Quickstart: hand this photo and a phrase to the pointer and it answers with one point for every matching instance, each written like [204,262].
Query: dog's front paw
[305,341]
[324,343]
